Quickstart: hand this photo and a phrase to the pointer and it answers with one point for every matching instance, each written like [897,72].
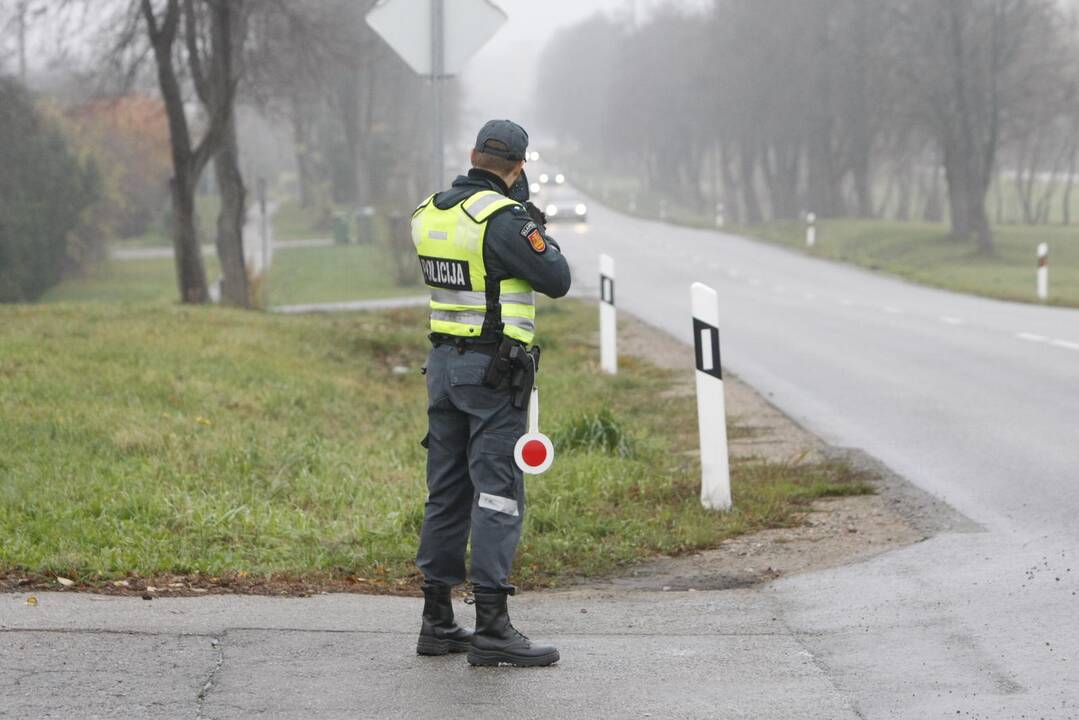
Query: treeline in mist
[906,109]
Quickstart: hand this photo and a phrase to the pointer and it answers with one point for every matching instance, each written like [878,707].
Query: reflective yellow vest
[450,247]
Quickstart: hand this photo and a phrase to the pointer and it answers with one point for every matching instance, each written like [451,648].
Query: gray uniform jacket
[507,252]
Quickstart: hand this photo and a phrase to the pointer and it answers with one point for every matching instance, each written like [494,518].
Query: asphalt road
[973,400]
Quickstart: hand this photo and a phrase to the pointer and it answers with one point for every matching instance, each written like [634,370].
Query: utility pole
[20,18]
[438,65]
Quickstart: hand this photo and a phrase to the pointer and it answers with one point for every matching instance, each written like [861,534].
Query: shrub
[45,198]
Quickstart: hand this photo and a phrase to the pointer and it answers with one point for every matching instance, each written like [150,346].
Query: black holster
[514,363]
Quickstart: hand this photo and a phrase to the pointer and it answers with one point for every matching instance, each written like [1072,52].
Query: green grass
[130,281]
[921,252]
[333,274]
[298,276]
[926,254]
[207,207]
[157,439]
[292,222]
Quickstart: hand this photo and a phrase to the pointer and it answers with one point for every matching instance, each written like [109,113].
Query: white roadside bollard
[811,229]
[711,406]
[1043,272]
[608,317]
[721,219]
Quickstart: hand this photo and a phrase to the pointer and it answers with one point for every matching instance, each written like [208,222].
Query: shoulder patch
[535,239]
[528,229]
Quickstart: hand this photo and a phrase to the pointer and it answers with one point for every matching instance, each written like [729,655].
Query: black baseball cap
[503,138]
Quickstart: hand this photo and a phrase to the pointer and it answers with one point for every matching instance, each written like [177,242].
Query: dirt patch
[150,588]
[835,531]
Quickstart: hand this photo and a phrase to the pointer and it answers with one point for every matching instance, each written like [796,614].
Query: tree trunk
[934,207]
[236,289]
[187,163]
[748,167]
[190,271]
[301,142]
[1066,202]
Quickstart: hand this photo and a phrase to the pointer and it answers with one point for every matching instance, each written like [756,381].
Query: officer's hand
[536,214]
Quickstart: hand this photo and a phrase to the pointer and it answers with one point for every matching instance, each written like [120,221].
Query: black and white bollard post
[608,317]
[711,407]
[811,229]
[1043,272]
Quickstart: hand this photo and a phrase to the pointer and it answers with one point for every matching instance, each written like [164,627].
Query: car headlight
[534,188]
[545,178]
[552,210]
[560,178]
[534,156]
[581,209]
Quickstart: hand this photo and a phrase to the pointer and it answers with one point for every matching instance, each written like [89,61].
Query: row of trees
[900,108]
[351,104]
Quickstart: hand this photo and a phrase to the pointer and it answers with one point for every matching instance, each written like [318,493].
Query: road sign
[436,38]
[408,26]
[534,451]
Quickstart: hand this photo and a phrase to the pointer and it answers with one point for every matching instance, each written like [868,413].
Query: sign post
[608,317]
[711,405]
[436,38]
[534,451]
[811,229]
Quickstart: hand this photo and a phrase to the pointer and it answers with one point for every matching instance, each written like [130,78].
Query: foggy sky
[500,80]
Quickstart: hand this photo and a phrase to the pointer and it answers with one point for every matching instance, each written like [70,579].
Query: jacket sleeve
[512,250]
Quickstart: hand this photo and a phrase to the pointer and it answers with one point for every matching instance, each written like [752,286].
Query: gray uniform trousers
[472,479]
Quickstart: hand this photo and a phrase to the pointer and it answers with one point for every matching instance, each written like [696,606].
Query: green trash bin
[365,225]
[340,229]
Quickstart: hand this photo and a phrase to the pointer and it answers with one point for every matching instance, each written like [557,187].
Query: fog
[502,80]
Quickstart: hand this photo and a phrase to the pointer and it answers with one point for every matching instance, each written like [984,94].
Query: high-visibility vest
[450,247]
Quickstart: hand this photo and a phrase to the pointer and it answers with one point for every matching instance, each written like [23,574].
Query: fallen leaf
[65,582]
[31,600]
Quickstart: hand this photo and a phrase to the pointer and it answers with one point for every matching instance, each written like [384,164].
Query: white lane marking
[1031,337]
[1066,344]
[951,320]
[892,310]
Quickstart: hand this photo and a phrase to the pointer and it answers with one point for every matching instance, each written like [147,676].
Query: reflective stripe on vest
[449,244]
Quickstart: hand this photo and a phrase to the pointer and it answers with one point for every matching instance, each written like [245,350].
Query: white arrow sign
[408,26]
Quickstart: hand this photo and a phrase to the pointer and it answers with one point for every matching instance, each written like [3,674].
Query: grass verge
[206,448]
[921,252]
[298,276]
[924,253]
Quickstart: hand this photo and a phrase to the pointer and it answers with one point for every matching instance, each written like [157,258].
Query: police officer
[483,254]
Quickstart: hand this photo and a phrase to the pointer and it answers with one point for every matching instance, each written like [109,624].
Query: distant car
[566,210]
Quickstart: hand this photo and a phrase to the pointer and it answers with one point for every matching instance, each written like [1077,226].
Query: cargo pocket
[469,392]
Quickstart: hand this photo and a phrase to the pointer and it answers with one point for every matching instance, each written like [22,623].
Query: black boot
[497,642]
[439,634]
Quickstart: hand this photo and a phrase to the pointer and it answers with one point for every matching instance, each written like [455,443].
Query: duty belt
[481,345]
